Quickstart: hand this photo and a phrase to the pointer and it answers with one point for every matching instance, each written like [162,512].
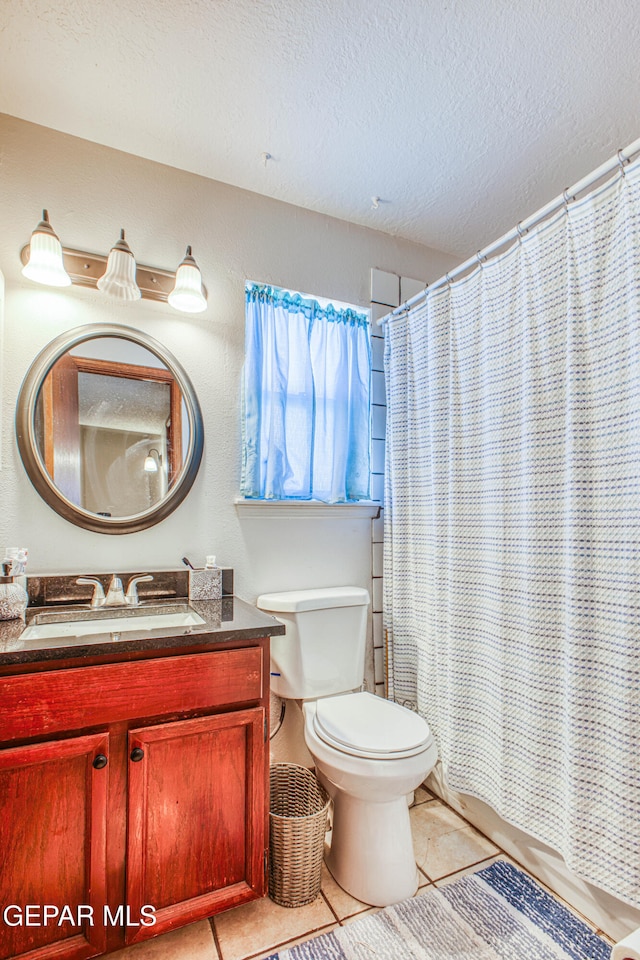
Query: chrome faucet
[115,594]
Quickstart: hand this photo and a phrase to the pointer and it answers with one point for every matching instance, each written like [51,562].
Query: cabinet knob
[137,754]
[100,761]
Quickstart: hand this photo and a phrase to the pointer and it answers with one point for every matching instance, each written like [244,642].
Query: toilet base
[371,854]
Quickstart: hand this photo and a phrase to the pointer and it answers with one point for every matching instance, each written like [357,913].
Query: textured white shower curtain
[512,530]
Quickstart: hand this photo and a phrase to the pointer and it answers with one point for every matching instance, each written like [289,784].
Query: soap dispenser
[13,597]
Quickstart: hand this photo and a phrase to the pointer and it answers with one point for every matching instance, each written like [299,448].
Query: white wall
[90,192]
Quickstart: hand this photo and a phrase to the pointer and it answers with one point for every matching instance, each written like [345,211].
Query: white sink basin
[83,628]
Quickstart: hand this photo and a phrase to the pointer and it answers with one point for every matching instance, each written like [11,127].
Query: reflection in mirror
[97,420]
[114,428]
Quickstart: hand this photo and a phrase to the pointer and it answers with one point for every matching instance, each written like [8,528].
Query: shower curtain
[512,530]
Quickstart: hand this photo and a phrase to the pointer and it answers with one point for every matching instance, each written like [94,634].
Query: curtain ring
[480,258]
[621,162]
[521,232]
[567,198]
[448,278]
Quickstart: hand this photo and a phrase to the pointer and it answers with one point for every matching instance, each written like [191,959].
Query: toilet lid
[364,725]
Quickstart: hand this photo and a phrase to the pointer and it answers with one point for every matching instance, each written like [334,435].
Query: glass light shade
[45,264]
[150,463]
[119,279]
[187,294]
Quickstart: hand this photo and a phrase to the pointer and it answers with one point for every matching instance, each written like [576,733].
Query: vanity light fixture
[119,279]
[151,463]
[187,294]
[46,261]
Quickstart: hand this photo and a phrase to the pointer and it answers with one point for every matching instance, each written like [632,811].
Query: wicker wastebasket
[297,825]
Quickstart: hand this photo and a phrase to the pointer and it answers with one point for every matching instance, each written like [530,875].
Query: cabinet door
[196,817]
[52,848]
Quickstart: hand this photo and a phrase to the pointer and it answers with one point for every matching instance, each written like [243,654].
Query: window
[306,418]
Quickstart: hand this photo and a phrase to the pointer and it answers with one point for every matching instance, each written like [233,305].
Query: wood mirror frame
[183,465]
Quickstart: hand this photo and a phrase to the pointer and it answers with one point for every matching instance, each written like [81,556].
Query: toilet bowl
[371,854]
[369,752]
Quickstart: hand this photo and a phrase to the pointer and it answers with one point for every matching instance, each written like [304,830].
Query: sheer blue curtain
[306,399]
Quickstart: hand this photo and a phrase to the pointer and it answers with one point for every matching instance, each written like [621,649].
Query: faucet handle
[132,588]
[98,598]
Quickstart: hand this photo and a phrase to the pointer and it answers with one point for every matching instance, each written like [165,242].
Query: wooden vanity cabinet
[131,791]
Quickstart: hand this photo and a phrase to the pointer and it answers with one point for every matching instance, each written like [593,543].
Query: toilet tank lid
[295,601]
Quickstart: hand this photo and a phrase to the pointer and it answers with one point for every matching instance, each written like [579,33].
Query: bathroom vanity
[133,779]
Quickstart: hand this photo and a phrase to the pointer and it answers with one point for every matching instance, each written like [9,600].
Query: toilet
[369,753]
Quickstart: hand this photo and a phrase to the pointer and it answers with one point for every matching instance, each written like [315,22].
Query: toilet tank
[323,650]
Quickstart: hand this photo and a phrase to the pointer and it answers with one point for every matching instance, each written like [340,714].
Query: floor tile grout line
[216,942]
[605,936]
[280,946]
[445,876]
[473,827]
[328,903]
[350,916]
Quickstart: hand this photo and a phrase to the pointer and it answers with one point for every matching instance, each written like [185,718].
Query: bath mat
[498,913]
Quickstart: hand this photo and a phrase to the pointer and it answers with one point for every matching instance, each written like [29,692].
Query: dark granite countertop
[226,620]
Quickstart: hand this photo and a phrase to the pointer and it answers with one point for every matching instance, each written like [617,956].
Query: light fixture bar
[85,269]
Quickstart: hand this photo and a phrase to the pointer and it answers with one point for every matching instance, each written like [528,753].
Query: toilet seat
[363,725]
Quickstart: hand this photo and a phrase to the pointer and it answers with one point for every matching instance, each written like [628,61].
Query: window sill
[299,509]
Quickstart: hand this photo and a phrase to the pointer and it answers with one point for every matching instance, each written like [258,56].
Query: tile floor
[446,847]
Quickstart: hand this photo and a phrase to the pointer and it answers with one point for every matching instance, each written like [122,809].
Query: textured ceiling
[463,116]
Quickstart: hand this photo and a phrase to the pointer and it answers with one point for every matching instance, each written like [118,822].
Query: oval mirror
[109,428]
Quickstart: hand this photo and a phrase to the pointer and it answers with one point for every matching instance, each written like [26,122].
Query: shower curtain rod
[570,193]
